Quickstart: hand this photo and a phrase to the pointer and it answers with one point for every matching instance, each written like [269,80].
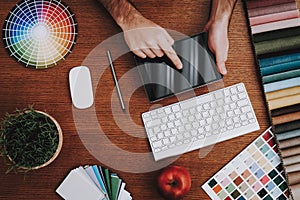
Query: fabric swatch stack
[275,29]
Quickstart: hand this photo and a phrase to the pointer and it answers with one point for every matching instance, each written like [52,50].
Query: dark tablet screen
[162,79]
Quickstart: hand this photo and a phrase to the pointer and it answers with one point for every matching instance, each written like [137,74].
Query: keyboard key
[163,127]
[171,117]
[160,135]
[233,90]
[242,95]
[245,109]
[234,98]
[166,141]
[177,123]
[157,144]
[219,94]
[174,131]
[156,129]
[178,115]
[191,118]
[167,133]
[168,110]
[175,108]
[242,103]
[170,125]
[172,139]
[153,123]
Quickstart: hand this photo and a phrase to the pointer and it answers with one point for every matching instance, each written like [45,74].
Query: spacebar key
[196,101]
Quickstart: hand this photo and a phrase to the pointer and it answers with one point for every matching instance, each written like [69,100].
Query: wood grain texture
[48,90]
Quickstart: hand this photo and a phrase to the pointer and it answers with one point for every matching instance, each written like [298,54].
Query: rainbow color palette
[39,33]
[256,173]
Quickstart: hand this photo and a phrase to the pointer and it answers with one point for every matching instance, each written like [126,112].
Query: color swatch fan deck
[39,33]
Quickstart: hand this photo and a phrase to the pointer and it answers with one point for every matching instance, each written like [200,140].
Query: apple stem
[173,183]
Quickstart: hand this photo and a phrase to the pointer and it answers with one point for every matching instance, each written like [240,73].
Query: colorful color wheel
[39,33]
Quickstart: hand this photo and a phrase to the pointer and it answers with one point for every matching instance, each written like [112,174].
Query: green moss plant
[28,138]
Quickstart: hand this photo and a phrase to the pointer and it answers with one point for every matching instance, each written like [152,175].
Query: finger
[220,62]
[221,57]
[149,53]
[221,67]
[139,53]
[157,51]
[169,51]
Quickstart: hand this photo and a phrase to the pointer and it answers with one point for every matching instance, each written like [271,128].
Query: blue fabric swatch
[279,85]
[281,76]
[280,68]
[278,59]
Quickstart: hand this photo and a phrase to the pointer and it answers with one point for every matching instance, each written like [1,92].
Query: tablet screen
[161,78]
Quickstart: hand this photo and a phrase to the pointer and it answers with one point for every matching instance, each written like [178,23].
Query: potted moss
[30,139]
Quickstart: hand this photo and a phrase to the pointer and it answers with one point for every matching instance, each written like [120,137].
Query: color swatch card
[93,183]
[256,173]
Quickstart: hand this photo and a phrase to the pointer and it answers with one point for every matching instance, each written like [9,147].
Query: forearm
[122,11]
[221,10]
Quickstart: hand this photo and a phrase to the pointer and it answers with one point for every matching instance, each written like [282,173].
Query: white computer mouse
[81,87]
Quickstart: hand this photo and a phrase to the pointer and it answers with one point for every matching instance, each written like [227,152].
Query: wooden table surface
[48,90]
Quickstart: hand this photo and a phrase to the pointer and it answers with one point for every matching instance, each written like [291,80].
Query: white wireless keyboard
[200,121]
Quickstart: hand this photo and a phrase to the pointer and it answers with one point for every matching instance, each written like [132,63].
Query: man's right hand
[145,38]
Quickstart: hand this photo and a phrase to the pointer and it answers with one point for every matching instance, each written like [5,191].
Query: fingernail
[224,70]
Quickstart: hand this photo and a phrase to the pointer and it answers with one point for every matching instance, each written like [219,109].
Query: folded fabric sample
[286,118]
[277,8]
[288,135]
[293,151]
[283,93]
[293,168]
[259,3]
[273,69]
[285,110]
[274,17]
[294,178]
[281,128]
[279,85]
[284,102]
[281,44]
[289,143]
[292,160]
[275,25]
[295,189]
[267,62]
[281,76]
[272,35]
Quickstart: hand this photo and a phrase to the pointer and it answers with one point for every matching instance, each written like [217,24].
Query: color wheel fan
[39,33]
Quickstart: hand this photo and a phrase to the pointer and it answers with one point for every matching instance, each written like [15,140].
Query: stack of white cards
[93,183]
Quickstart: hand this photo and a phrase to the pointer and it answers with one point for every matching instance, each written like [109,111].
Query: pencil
[115,80]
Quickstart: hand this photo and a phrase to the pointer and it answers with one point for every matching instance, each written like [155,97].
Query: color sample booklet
[256,173]
[93,183]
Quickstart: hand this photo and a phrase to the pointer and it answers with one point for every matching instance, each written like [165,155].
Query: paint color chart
[39,33]
[256,173]
[275,28]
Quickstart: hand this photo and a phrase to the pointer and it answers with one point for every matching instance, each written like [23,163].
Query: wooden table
[48,90]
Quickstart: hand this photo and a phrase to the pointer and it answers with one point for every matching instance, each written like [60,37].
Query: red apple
[174,182]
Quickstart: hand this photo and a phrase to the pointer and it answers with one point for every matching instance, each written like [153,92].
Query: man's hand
[217,28]
[218,43]
[145,38]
